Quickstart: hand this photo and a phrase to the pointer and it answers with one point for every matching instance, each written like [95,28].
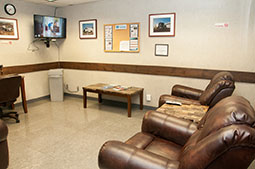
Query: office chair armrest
[3,131]
[168,127]
[116,155]
[186,92]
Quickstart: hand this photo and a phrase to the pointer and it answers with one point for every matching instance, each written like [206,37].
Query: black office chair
[9,92]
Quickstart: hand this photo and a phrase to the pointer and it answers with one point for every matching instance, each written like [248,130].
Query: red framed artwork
[9,29]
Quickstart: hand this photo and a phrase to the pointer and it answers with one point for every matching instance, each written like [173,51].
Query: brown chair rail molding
[239,76]
[30,68]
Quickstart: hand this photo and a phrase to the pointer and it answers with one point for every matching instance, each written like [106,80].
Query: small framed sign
[161,49]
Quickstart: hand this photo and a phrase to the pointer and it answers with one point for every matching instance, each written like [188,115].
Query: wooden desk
[23,94]
[128,93]
[190,112]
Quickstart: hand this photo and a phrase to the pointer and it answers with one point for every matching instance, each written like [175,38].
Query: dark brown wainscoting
[30,68]
[247,77]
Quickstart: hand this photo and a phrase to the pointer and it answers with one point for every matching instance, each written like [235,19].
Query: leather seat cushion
[155,145]
[164,148]
[140,140]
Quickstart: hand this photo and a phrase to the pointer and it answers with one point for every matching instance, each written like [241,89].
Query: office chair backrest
[9,88]
[222,85]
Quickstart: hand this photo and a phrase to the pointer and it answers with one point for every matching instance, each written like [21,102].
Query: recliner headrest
[231,110]
[214,88]
[220,82]
[223,76]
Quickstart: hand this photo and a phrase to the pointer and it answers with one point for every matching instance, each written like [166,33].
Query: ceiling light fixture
[51,0]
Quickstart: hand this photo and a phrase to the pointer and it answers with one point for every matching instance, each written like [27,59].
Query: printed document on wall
[124,45]
[134,30]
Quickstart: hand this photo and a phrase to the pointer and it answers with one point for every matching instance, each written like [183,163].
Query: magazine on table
[115,87]
[120,88]
[110,86]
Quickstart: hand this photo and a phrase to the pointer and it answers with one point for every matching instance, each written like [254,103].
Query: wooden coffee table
[186,111]
[128,93]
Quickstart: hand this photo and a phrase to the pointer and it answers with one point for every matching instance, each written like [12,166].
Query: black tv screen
[49,27]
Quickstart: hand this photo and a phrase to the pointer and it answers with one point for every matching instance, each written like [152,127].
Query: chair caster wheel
[17,121]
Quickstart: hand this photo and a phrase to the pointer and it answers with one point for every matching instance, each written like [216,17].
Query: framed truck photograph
[162,25]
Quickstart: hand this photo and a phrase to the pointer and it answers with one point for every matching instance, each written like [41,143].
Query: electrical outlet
[148,97]
[72,89]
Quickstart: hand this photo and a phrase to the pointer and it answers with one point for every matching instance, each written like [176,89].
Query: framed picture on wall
[9,29]
[88,29]
[162,25]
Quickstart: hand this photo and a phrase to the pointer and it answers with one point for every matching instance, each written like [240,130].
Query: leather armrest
[116,155]
[186,92]
[3,131]
[165,97]
[168,127]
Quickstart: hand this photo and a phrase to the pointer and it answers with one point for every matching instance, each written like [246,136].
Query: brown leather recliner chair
[4,154]
[222,85]
[224,139]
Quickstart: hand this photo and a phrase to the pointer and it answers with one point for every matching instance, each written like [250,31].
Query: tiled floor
[63,135]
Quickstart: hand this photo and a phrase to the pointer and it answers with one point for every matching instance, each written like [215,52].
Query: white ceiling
[61,3]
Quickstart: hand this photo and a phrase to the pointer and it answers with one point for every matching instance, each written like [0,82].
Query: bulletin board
[123,37]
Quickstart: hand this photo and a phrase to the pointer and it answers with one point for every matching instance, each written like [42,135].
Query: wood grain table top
[101,87]
[190,112]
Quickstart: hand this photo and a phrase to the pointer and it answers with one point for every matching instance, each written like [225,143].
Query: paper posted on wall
[133,30]
[124,45]
[108,44]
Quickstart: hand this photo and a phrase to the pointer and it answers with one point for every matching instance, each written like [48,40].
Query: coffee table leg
[99,98]
[129,105]
[141,100]
[84,98]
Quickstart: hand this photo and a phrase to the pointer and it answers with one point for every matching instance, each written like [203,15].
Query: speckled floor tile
[61,135]
[64,135]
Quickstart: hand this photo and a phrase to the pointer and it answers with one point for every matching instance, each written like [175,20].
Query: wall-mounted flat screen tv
[49,27]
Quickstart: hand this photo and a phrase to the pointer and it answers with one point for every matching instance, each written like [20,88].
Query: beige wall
[197,44]
[18,54]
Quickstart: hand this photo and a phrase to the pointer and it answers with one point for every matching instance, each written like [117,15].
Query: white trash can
[56,84]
